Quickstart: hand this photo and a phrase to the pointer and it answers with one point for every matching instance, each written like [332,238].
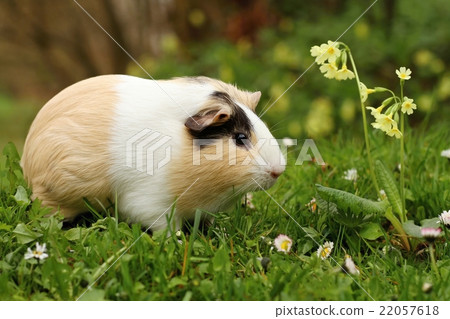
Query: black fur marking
[238,122]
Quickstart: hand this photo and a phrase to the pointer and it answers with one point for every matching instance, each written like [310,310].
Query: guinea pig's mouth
[267,179]
[275,172]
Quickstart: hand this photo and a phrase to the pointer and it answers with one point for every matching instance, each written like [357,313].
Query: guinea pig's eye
[240,137]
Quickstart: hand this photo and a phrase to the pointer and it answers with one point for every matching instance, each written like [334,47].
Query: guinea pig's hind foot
[75,220]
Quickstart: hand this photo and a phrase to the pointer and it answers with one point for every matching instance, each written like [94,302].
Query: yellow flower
[408,106]
[375,112]
[364,91]
[325,52]
[316,52]
[329,69]
[344,74]
[394,131]
[403,73]
[376,125]
[384,122]
[331,52]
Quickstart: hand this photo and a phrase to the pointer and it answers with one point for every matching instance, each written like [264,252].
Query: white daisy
[444,218]
[324,251]
[350,266]
[351,174]
[248,201]
[446,153]
[312,205]
[289,141]
[429,233]
[427,287]
[38,253]
[283,243]
[382,195]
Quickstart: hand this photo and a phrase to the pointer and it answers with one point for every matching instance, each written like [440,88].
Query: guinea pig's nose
[276,172]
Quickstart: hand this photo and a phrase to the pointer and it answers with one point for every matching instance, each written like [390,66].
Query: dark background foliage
[256,44]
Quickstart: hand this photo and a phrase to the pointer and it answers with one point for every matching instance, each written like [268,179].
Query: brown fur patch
[66,152]
[216,177]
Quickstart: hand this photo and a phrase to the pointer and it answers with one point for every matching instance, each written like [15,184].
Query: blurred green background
[258,45]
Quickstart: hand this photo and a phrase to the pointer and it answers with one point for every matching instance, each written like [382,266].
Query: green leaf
[311,233]
[387,183]
[349,202]
[432,222]
[221,260]
[21,196]
[5,266]
[371,231]
[12,165]
[412,229]
[4,226]
[10,151]
[75,233]
[307,246]
[326,206]
[24,235]
[176,281]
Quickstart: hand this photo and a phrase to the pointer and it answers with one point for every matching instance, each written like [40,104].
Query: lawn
[235,258]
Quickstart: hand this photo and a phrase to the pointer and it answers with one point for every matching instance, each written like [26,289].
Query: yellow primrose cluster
[332,61]
[387,121]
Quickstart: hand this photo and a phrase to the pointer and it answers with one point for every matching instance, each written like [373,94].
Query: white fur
[269,150]
[162,107]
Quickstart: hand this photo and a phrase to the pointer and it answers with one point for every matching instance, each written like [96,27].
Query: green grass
[222,262]
[16,116]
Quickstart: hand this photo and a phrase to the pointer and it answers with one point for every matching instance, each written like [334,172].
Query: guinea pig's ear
[254,99]
[210,117]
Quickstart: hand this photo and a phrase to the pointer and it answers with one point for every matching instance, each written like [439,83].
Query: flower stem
[366,133]
[433,260]
[398,227]
[402,157]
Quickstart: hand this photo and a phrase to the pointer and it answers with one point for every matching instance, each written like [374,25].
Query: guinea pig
[156,147]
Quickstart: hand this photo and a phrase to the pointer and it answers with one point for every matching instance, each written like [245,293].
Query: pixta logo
[147,150]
